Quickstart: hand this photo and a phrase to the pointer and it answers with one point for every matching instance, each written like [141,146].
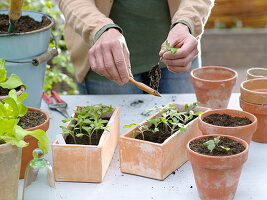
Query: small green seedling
[88,121]
[211,144]
[170,119]
[167,47]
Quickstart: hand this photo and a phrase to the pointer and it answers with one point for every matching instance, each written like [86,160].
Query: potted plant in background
[236,123]
[90,138]
[253,99]
[217,162]
[25,45]
[213,85]
[157,146]
[9,83]
[12,141]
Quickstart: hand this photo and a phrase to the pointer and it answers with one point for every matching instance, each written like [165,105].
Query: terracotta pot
[87,163]
[217,177]
[10,158]
[155,160]
[260,111]
[254,91]
[213,85]
[33,143]
[243,132]
[21,90]
[253,73]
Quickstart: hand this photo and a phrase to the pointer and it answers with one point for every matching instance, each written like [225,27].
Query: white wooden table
[178,186]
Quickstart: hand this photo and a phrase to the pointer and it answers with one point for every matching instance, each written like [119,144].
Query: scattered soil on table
[84,140]
[159,136]
[4,91]
[23,25]
[31,119]
[226,120]
[154,76]
[235,147]
[136,102]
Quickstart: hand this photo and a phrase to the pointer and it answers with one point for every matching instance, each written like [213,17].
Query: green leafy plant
[211,144]
[170,118]
[11,82]
[167,47]
[88,120]
[11,109]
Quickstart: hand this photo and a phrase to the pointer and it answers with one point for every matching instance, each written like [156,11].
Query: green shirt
[145,25]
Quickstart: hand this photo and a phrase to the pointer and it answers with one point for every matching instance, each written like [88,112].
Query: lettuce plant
[11,109]
[11,82]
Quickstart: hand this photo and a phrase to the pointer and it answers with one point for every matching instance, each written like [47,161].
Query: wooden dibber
[144,87]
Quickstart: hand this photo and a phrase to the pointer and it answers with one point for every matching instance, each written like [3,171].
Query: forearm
[84,17]
[194,13]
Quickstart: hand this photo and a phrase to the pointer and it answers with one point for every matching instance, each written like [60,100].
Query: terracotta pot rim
[251,104]
[228,111]
[214,67]
[252,91]
[46,120]
[123,136]
[250,72]
[243,142]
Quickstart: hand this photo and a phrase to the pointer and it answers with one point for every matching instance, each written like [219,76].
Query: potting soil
[31,119]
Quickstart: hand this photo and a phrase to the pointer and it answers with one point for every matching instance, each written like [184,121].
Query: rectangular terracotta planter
[155,160]
[87,163]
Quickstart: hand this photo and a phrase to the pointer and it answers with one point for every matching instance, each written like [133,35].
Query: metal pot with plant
[89,140]
[11,143]
[157,146]
[217,162]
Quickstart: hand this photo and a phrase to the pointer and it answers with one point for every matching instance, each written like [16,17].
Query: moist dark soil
[235,147]
[4,91]
[85,139]
[24,24]
[159,136]
[226,120]
[31,119]
[154,76]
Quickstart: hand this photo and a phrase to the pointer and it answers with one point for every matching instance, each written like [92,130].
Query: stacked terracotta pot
[253,99]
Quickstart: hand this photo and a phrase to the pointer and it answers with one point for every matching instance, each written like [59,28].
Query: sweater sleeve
[84,17]
[194,13]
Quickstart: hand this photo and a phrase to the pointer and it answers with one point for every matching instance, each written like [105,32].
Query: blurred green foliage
[60,69]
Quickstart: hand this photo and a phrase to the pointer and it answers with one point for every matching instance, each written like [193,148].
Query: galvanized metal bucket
[20,51]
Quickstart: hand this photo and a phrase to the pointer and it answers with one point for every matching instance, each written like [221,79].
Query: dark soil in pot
[4,91]
[23,25]
[159,136]
[226,120]
[84,140]
[31,119]
[235,147]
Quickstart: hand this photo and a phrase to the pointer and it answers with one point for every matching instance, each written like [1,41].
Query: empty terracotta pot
[33,143]
[244,132]
[260,111]
[217,177]
[213,85]
[254,91]
[253,73]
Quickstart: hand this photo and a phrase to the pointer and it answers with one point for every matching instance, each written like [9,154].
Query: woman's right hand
[110,57]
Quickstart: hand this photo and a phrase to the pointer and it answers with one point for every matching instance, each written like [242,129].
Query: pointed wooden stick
[144,87]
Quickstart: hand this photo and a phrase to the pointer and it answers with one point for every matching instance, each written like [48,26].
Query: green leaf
[174,50]
[12,82]
[65,130]
[217,140]
[128,126]
[225,148]
[79,135]
[210,145]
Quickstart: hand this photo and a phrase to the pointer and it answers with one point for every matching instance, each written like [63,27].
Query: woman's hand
[110,57]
